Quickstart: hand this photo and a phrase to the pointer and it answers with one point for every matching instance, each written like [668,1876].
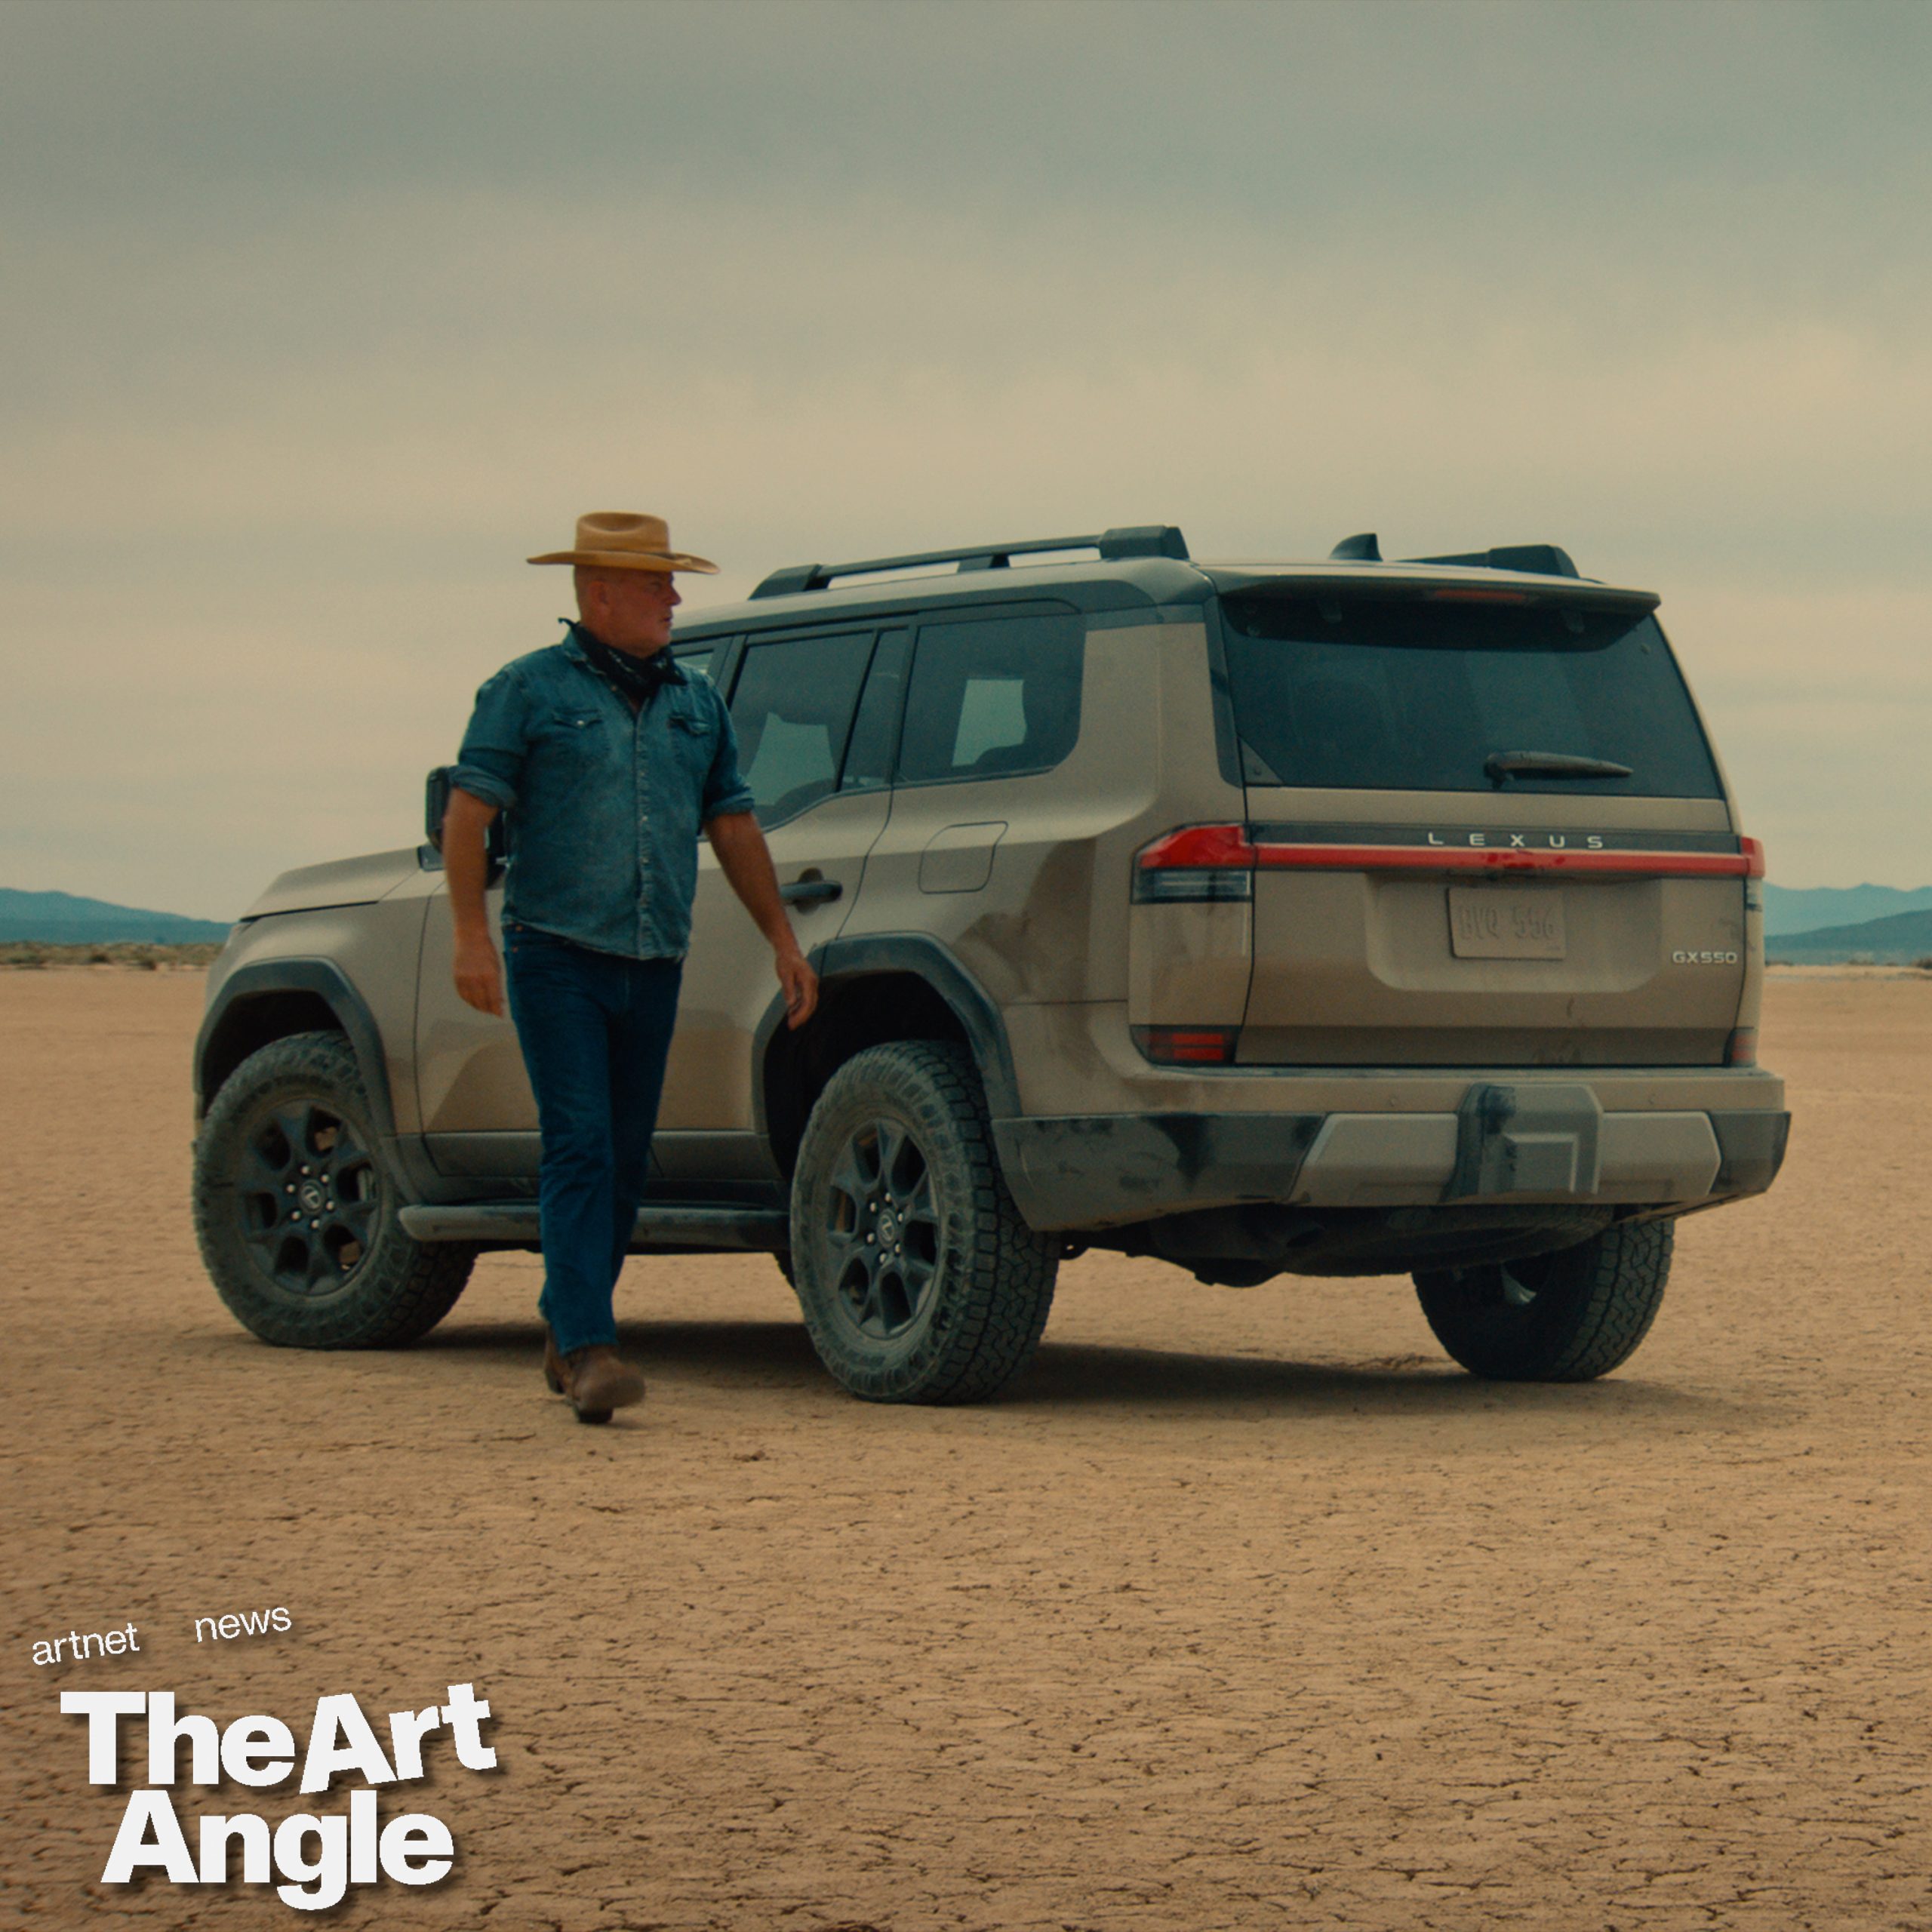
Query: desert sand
[1246,1609]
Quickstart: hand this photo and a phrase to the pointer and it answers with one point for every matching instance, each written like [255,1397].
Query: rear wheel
[920,1280]
[1566,1317]
[297,1215]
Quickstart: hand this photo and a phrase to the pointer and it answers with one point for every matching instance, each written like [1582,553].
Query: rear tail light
[1200,864]
[1187,1046]
[1191,885]
[1741,1049]
[1198,845]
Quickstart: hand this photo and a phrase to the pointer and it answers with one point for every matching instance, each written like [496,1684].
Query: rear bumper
[1508,1143]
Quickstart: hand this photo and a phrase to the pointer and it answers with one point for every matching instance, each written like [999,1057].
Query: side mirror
[436,802]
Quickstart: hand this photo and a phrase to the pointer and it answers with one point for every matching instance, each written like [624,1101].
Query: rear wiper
[1500,765]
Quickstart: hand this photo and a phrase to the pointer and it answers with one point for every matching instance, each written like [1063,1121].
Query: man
[610,760]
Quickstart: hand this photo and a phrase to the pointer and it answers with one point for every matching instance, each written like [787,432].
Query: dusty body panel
[1082,1059]
[359,881]
[1051,923]
[728,983]
[374,945]
[1359,967]
[475,1097]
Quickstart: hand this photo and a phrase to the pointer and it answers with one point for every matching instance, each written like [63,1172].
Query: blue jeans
[595,1029]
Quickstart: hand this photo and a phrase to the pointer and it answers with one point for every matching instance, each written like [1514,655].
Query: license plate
[1500,922]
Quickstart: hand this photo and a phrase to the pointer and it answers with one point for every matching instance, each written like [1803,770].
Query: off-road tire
[347,1276]
[970,1305]
[1570,1316]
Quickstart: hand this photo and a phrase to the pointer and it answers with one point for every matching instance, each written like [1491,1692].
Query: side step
[513,1224]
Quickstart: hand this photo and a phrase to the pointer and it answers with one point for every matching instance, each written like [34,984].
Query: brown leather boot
[597,1380]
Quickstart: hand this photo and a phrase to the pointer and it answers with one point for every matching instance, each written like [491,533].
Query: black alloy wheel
[297,1217]
[882,1229]
[306,1196]
[919,1279]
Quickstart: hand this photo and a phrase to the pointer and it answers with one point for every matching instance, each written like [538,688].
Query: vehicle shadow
[771,1355]
[1073,1374]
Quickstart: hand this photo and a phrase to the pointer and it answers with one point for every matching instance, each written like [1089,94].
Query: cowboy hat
[624,540]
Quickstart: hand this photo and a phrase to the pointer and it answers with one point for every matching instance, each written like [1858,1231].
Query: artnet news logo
[312,1858]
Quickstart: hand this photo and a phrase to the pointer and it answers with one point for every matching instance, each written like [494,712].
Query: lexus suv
[1338,918]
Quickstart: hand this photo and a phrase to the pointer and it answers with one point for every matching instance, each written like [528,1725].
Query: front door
[477,1107]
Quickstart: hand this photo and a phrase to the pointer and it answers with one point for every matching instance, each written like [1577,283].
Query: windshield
[1424,696]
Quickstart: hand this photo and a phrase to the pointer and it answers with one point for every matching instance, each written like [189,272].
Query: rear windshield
[1415,696]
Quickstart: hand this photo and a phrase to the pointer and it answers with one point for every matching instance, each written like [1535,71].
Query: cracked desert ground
[1246,1609]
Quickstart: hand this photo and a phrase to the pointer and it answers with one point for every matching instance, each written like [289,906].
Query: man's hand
[745,860]
[799,984]
[479,974]
[477,970]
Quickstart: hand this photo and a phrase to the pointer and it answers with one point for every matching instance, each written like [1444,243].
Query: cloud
[327,316]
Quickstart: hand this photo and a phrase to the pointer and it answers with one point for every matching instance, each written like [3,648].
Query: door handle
[811,891]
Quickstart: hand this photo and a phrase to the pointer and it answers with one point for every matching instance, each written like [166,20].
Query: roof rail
[1148,539]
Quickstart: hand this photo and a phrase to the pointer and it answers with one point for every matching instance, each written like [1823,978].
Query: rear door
[1486,829]
[794,702]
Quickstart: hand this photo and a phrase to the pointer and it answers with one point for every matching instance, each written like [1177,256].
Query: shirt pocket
[693,739]
[570,746]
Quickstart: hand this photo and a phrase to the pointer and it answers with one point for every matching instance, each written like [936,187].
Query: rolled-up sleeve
[489,765]
[725,790]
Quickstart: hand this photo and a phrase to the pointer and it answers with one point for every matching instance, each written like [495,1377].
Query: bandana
[636,680]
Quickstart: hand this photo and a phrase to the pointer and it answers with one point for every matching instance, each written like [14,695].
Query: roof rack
[1533,559]
[1146,540]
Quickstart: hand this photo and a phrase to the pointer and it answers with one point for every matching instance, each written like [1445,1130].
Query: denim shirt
[604,808]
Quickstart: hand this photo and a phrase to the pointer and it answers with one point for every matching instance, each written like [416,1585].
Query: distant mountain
[58,918]
[1905,937]
[1810,909]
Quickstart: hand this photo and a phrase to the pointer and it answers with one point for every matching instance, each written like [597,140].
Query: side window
[699,658]
[991,696]
[875,734]
[792,712]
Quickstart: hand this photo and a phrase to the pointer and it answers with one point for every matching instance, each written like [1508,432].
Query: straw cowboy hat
[624,540]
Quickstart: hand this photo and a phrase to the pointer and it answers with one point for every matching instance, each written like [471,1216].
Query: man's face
[631,609]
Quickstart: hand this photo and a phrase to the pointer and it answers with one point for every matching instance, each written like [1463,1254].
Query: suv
[1340,919]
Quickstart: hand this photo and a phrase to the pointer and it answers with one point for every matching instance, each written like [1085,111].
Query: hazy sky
[318,319]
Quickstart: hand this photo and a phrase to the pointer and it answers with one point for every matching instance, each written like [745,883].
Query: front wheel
[297,1218]
[1567,1317]
[920,1280]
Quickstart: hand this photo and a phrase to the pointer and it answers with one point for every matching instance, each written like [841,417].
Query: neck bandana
[636,680]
